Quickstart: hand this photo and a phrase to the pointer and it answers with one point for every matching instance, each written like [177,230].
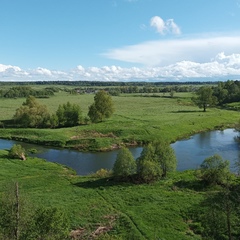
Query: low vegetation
[151,200]
[66,206]
[139,118]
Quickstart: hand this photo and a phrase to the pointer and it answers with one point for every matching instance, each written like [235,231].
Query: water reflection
[190,153]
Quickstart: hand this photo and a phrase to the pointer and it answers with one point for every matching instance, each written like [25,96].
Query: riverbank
[130,210]
[137,120]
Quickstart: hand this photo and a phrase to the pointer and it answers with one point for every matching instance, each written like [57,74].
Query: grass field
[130,211]
[137,118]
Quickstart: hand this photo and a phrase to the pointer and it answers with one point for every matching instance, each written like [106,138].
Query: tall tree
[125,165]
[165,156]
[68,115]
[102,107]
[156,160]
[214,170]
[32,114]
[204,98]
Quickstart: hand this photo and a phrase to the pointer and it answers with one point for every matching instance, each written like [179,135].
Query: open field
[160,210]
[138,118]
[132,211]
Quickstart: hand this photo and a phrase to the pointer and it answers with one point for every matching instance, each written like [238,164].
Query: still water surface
[189,152]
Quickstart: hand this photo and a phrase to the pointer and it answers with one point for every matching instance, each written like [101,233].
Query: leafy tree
[147,167]
[68,115]
[53,121]
[159,157]
[204,98]
[150,171]
[17,151]
[165,157]
[172,93]
[102,107]
[125,165]
[32,114]
[214,170]
[15,216]
[20,221]
[219,214]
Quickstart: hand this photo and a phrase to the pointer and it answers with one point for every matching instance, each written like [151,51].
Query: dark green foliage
[165,156]
[125,165]
[24,91]
[17,152]
[68,115]
[147,155]
[214,170]
[150,171]
[19,220]
[102,107]
[227,92]
[14,215]
[32,114]
[219,214]
[156,160]
[51,223]
[204,98]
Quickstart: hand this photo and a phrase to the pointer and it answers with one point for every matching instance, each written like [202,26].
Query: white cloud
[173,27]
[163,27]
[158,23]
[43,71]
[9,67]
[220,67]
[165,52]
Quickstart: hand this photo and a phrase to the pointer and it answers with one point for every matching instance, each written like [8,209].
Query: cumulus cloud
[220,67]
[9,68]
[165,52]
[163,27]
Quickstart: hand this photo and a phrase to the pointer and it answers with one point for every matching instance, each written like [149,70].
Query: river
[189,152]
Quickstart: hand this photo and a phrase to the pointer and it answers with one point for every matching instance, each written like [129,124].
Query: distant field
[137,117]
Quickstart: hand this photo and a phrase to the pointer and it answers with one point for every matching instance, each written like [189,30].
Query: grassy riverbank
[129,211]
[137,119]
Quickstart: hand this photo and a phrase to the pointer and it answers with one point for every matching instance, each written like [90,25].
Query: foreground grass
[137,119]
[147,211]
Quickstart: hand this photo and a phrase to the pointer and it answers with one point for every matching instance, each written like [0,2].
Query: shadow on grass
[187,111]
[195,185]
[104,183]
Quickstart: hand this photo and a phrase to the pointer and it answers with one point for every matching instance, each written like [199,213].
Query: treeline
[103,83]
[227,92]
[25,91]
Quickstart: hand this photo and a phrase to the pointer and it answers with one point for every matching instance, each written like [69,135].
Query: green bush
[214,170]
[17,152]
[125,165]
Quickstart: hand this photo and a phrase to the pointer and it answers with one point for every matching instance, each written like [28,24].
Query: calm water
[190,152]
[83,163]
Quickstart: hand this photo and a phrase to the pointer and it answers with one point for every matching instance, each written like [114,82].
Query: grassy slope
[143,211]
[137,118]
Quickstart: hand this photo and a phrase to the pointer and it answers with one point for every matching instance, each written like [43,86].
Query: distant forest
[224,92]
[100,83]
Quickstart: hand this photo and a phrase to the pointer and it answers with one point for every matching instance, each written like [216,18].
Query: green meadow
[160,210]
[138,118]
[129,211]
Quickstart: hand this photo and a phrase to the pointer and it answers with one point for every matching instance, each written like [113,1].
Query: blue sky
[119,40]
